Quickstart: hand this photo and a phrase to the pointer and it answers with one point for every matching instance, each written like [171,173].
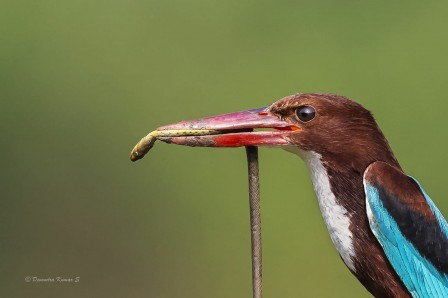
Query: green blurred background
[82,81]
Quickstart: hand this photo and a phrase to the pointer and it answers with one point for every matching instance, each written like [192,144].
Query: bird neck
[341,199]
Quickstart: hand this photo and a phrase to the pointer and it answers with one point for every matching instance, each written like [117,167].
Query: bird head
[338,129]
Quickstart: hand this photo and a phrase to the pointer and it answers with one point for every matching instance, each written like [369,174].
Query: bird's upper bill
[228,130]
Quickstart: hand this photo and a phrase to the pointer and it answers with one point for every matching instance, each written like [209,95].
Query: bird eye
[305,113]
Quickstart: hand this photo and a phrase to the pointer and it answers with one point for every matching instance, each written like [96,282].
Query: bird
[385,227]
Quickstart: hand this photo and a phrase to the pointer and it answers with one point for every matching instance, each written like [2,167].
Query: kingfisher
[385,227]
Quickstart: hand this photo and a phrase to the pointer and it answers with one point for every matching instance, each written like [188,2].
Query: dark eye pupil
[306,113]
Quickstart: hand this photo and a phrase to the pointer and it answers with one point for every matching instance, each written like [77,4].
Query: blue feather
[419,275]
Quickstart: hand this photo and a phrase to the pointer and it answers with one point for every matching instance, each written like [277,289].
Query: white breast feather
[335,216]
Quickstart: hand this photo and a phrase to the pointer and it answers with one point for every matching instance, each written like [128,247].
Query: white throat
[336,216]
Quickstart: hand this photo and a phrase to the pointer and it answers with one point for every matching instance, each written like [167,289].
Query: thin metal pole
[255,219]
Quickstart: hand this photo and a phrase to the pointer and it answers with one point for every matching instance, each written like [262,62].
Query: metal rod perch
[255,219]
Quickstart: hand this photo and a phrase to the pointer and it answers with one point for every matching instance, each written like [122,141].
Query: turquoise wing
[410,228]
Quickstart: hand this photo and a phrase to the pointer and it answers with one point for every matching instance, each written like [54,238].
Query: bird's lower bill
[226,139]
[229,130]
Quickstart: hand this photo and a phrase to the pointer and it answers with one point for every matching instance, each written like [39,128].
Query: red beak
[229,130]
[235,130]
